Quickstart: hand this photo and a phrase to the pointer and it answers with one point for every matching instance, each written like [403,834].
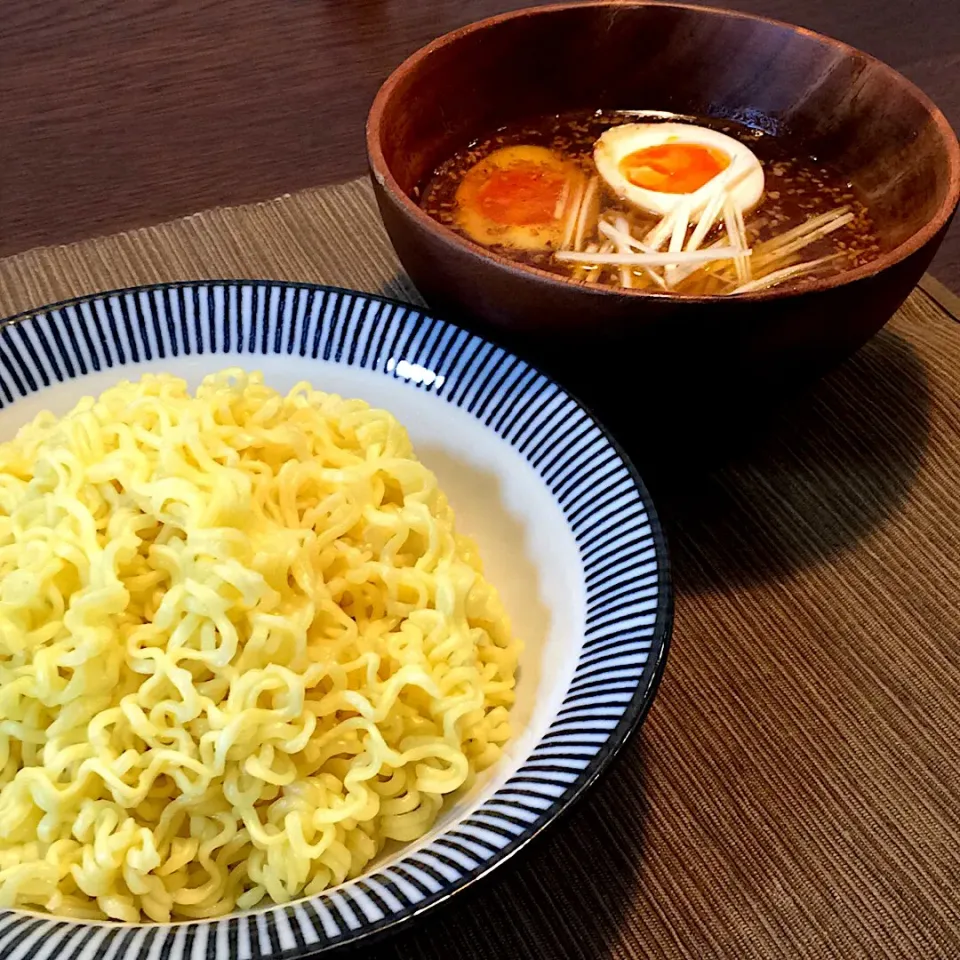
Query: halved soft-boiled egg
[657,166]
[517,197]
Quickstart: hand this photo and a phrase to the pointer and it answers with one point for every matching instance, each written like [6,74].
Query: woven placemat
[795,791]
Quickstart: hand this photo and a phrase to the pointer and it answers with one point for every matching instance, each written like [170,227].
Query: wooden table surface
[116,114]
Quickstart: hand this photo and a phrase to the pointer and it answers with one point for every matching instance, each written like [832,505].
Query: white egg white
[619,142]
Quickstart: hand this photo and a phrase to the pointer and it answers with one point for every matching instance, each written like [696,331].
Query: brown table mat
[795,791]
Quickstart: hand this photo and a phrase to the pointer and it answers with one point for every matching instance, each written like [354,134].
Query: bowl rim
[383,176]
[412,324]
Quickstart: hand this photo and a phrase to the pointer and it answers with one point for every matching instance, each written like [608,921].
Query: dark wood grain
[710,364]
[115,114]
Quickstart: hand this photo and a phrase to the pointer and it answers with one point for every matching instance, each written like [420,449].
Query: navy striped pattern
[628,615]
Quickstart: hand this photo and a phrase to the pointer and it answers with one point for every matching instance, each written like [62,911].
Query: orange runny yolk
[673,167]
[523,194]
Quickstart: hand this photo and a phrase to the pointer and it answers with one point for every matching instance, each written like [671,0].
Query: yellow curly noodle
[241,647]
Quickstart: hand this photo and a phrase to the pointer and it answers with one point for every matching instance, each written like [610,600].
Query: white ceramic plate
[565,527]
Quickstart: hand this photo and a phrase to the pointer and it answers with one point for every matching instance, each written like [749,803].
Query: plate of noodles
[313,610]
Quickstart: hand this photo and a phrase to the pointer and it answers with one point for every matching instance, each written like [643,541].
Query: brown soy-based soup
[540,193]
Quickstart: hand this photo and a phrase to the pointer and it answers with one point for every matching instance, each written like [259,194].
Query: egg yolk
[522,194]
[673,167]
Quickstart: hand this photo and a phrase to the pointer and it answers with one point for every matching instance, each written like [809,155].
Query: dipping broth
[653,201]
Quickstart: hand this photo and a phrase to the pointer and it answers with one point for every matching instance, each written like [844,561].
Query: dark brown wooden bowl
[701,359]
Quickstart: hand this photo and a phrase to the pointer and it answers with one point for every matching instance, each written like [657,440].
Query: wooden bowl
[703,359]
